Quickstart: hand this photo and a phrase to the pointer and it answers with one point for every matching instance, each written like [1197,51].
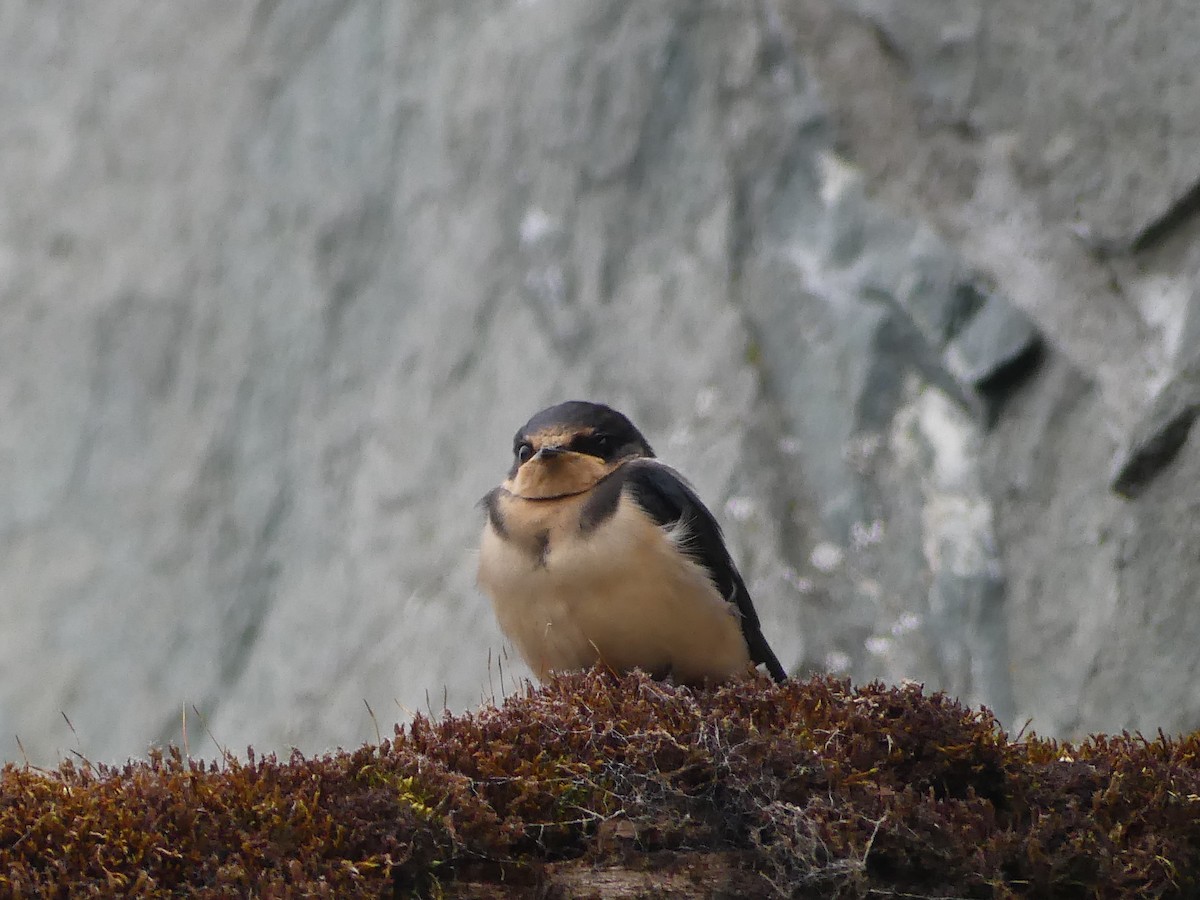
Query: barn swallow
[594,551]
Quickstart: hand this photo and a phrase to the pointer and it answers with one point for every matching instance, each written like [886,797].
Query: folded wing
[667,498]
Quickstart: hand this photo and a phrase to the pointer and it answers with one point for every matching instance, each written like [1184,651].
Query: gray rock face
[907,291]
[1103,100]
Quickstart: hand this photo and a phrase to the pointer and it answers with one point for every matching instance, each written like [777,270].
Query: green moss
[818,788]
[753,354]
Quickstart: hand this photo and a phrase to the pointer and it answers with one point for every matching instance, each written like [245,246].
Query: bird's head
[568,448]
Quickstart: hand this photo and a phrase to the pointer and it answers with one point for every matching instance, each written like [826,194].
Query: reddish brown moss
[822,789]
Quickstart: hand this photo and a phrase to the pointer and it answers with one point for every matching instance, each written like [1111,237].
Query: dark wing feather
[668,499]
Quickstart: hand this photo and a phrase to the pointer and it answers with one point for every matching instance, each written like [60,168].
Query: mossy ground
[809,788]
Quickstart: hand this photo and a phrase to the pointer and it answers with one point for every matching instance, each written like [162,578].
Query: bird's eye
[593,444]
[524,451]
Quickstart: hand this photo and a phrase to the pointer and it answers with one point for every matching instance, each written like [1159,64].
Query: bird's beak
[549,452]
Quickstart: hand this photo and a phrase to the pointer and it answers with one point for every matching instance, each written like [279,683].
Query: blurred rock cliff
[907,287]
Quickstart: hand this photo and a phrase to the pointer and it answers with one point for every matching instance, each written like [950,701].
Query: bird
[595,551]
